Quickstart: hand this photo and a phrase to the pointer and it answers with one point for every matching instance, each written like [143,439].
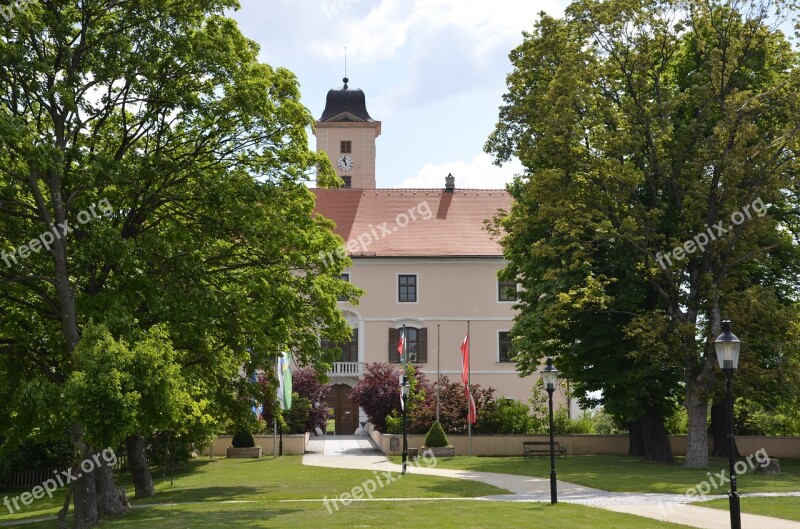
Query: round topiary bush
[243,439]
[436,438]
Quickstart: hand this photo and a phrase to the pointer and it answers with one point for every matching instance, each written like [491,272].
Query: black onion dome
[345,99]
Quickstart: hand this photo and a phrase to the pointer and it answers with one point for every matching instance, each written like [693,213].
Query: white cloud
[480,173]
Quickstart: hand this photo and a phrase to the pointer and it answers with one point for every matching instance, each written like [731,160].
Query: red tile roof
[381,222]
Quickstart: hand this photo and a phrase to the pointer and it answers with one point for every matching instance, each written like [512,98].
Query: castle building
[425,262]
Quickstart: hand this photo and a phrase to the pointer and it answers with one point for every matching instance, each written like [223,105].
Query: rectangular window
[349,349]
[345,147]
[344,277]
[506,291]
[407,288]
[504,346]
[416,346]
[346,182]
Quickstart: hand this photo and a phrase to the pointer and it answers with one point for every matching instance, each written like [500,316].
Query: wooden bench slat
[531,448]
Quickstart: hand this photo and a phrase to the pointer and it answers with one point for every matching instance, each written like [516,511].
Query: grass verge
[444,514]
[630,474]
[785,508]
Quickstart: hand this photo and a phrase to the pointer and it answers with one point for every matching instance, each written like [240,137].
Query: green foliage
[436,438]
[640,126]
[677,424]
[206,255]
[32,455]
[507,417]
[117,390]
[296,418]
[243,439]
[751,418]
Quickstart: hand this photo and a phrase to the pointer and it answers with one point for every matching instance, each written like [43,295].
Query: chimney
[449,183]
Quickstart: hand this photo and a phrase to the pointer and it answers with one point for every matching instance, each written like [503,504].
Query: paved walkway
[358,452]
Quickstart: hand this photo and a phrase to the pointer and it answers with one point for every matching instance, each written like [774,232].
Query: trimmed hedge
[243,439]
[436,438]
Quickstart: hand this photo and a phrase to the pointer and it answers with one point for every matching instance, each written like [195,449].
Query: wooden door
[345,411]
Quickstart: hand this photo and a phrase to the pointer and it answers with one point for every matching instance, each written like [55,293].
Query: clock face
[345,162]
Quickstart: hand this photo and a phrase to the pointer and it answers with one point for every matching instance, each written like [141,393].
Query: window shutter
[394,337]
[422,346]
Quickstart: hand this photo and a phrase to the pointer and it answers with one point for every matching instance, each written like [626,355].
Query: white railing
[347,369]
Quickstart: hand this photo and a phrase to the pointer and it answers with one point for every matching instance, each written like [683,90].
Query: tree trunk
[109,498]
[635,438]
[139,467]
[655,437]
[84,494]
[697,432]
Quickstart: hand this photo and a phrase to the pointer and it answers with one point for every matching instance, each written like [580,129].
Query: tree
[660,146]
[153,174]
[378,393]
[307,383]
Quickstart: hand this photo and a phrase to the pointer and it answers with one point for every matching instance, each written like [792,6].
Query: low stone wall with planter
[511,445]
[292,445]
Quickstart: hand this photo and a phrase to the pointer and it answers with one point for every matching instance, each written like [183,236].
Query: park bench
[532,448]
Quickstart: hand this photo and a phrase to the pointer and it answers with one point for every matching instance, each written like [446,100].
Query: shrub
[309,409]
[378,393]
[436,437]
[296,418]
[507,417]
[453,414]
[306,383]
[243,439]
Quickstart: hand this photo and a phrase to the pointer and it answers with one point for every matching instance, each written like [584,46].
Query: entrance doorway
[342,410]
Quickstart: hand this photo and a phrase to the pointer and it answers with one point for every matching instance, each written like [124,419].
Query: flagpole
[275,417]
[469,381]
[403,399]
[438,376]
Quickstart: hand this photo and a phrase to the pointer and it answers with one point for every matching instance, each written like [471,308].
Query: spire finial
[345,80]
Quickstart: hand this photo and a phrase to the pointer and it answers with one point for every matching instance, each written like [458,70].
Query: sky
[433,72]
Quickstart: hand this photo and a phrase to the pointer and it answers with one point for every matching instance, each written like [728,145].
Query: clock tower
[346,133]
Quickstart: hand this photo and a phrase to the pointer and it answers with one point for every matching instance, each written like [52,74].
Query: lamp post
[404,388]
[727,346]
[550,379]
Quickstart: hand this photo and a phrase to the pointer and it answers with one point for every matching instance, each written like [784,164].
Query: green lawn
[283,478]
[778,507]
[283,493]
[443,514]
[630,474]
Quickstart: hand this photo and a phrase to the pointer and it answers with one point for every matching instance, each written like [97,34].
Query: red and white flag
[401,345]
[472,414]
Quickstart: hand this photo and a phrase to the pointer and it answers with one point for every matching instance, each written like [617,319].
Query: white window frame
[499,361]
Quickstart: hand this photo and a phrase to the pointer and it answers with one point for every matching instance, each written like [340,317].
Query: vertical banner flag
[257,408]
[401,343]
[285,381]
[472,413]
[401,346]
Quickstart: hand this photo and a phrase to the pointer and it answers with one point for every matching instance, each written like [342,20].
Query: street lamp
[404,389]
[550,379]
[727,346]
